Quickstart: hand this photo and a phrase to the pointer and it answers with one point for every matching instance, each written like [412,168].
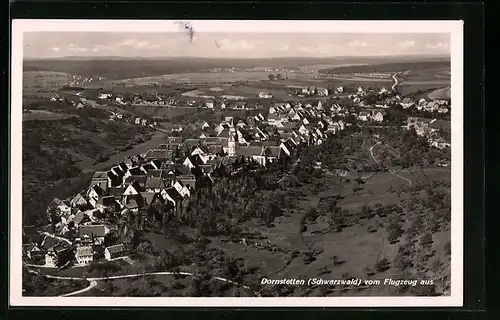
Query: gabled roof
[177,140]
[123,167]
[250,151]
[100,175]
[148,197]
[107,201]
[116,191]
[148,166]
[54,203]
[77,199]
[92,230]
[155,173]
[154,183]
[173,194]
[116,249]
[98,190]
[79,217]
[138,180]
[159,154]
[195,160]
[272,151]
[136,171]
[84,251]
[190,142]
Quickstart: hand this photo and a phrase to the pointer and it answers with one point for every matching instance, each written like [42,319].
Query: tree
[447,248]
[382,265]
[394,231]
[426,239]
[271,77]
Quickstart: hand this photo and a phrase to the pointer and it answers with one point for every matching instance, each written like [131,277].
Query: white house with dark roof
[84,255]
[115,252]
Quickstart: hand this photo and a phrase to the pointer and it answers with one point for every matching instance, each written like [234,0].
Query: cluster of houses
[168,174]
[308,91]
[431,129]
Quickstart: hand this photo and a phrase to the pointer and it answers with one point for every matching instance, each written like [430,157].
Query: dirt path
[390,171]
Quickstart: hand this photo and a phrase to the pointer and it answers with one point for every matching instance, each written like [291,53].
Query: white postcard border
[454,28]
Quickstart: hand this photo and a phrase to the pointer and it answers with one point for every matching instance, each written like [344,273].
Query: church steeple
[231,145]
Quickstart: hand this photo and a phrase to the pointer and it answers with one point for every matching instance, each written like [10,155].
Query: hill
[123,68]
[444,93]
[56,154]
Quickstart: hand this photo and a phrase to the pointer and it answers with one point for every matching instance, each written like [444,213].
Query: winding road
[396,81]
[93,281]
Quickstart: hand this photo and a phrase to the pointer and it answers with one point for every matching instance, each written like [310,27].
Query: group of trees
[276,77]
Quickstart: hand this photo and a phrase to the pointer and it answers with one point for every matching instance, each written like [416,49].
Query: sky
[230,45]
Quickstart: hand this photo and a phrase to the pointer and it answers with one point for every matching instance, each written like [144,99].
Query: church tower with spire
[231,145]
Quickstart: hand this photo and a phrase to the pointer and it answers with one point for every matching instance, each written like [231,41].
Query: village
[84,227]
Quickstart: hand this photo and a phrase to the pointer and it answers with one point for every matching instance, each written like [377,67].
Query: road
[94,280]
[390,171]
[114,159]
[56,237]
[92,285]
[396,81]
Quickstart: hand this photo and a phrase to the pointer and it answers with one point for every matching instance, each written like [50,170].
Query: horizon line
[242,58]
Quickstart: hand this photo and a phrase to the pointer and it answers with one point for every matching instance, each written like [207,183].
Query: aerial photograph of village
[186,164]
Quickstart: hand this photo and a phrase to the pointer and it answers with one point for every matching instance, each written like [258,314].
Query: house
[56,255]
[322,91]
[150,198]
[378,116]
[63,209]
[193,161]
[288,147]
[187,180]
[137,121]
[84,255]
[115,252]
[154,184]
[303,130]
[78,201]
[81,218]
[107,203]
[32,251]
[133,189]
[439,143]
[171,195]
[209,105]
[105,96]
[265,95]
[52,206]
[96,233]
[364,116]
[100,178]
[51,259]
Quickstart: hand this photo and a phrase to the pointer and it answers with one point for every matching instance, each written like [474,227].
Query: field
[197,78]
[160,111]
[443,93]
[45,115]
